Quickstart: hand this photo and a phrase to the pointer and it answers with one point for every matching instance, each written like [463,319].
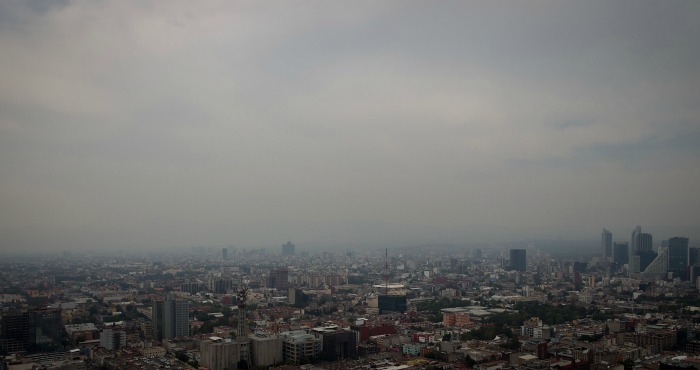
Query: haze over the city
[130,124]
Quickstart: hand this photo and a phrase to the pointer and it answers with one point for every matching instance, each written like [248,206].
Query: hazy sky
[178,123]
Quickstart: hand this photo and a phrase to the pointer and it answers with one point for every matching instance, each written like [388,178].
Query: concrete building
[299,345]
[279,279]
[112,339]
[534,328]
[266,349]
[457,316]
[218,354]
[170,318]
[337,344]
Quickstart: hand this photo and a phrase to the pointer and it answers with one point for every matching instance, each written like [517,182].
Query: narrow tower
[243,341]
[386,271]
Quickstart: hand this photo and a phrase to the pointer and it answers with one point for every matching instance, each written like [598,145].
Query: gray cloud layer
[155,124]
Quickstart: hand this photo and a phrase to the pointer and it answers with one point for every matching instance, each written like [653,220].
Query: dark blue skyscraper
[621,253]
[518,259]
[693,256]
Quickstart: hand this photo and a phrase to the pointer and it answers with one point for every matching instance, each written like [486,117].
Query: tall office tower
[171,318]
[640,251]
[288,249]
[645,243]
[279,279]
[678,257]
[224,253]
[518,260]
[634,243]
[45,330]
[693,256]
[606,243]
[621,253]
[14,332]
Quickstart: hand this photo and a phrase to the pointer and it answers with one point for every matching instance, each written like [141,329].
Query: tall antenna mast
[386,271]
[243,341]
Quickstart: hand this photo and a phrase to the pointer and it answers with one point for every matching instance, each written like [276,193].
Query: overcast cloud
[177,123]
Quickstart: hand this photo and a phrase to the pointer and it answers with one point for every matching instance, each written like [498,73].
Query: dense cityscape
[632,305]
[365,185]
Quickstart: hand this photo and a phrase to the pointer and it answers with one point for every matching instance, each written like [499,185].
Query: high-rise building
[693,256]
[645,258]
[288,249]
[678,257]
[191,288]
[338,345]
[621,253]
[518,259]
[170,318]
[15,332]
[659,265]
[38,330]
[224,253]
[640,251]
[279,279]
[221,286]
[634,242]
[606,244]
[45,329]
[296,297]
[112,339]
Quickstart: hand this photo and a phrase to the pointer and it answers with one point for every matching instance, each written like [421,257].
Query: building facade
[218,354]
[606,244]
[678,257]
[170,318]
[518,260]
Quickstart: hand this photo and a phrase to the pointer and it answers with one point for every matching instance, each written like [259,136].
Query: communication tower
[243,340]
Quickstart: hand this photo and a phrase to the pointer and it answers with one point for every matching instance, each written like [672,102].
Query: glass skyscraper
[678,256]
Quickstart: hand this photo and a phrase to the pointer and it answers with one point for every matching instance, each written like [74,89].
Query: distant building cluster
[516,306]
[672,258]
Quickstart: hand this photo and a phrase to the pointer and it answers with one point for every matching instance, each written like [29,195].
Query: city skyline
[131,126]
